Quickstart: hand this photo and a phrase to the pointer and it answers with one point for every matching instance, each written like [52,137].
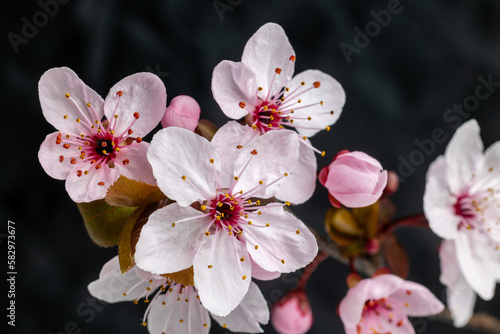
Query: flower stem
[310,269]
[416,220]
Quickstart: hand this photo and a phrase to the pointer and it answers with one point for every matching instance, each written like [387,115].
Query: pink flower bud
[354,179]
[183,112]
[292,314]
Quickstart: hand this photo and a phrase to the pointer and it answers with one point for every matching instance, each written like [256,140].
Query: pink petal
[459,294]
[462,156]
[250,312]
[50,154]
[330,92]
[284,246]
[351,306]
[261,274]
[478,260]
[299,186]
[266,158]
[167,244]
[87,188]
[112,284]
[166,318]
[222,286]
[267,50]
[183,112]
[384,286]
[438,202]
[53,86]
[415,300]
[226,141]
[142,93]
[399,323]
[234,87]
[137,167]
[176,152]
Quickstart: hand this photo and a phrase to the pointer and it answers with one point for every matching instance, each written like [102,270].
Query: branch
[479,322]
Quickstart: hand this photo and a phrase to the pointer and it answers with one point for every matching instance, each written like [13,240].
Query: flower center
[226,210]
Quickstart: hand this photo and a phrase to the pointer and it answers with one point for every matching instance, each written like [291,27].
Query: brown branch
[479,322]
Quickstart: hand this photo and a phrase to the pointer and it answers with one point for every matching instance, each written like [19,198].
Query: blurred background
[400,81]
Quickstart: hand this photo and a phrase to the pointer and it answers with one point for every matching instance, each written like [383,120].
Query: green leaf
[127,192]
[125,256]
[395,256]
[104,223]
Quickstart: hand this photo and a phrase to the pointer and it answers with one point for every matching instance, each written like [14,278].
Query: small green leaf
[125,256]
[104,223]
[395,256]
[127,192]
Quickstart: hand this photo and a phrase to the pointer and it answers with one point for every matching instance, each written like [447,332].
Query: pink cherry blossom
[459,294]
[292,314]
[183,111]
[261,89]
[382,305]
[87,152]
[462,204]
[232,236]
[175,308]
[354,179]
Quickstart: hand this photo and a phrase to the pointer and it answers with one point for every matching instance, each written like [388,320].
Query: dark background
[398,88]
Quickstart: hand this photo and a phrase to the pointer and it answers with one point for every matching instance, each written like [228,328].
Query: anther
[211,161]
[302,83]
[278,70]
[242,105]
[253,152]
[66,146]
[323,153]
[298,232]
[239,147]
[327,128]
[316,84]
[66,95]
[256,246]
[73,161]
[61,158]
[130,131]
[100,183]
[119,93]
[209,266]
[136,115]
[242,259]
[261,182]
[138,139]
[309,118]
[126,161]
[184,177]
[79,173]
[254,126]
[260,89]
[65,116]
[287,203]
[292,58]
[244,277]
[283,261]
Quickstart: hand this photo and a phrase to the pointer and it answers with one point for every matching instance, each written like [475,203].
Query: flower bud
[183,112]
[292,314]
[354,179]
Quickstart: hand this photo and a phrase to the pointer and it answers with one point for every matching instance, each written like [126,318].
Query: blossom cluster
[204,210]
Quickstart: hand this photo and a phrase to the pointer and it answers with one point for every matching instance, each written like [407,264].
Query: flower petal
[299,186]
[220,274]
[351,306]
[53,86]
[143,93]
[175,312]
[266,158]
[284,243]
[250,312]
[233,83]
[137,167]
[50,155]
[384,286]
[226,141]
[261,274]
[183,112]
[438,202]
[165,247]
[181,165]
[89,187]
[415,300]
[267,50]
[459,294]
[463,155]
[477,262]
[112,284]
[330,92]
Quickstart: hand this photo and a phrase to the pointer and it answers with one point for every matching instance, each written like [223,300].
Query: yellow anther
[112,132]
[207,233]
[256,246]
[305,138]
[332,112]
[265,108]
[258,202]
[309,118]
[302,83]
[250,222]
[66,95]
[286,174]
[323,153]
[242,259]
[78,120]
[203,207]
[205,325]
[321,103]
[211,161]
[283,261]
[280,127]
[261,182]
[184,177]
[65,116]
[173,224]
[260,89]
[267,224]
[244,277]
[209,266]
[259,213]
[254,126]
[298,232]
[224,326]
[327,128]
[236,178]
[249,201]
[287,203]
[269,125]
[181,321]
[144,324]
[88,105]
[116,116]
[124,294]
[135,301]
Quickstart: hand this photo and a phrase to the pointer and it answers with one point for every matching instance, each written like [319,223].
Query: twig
[479,322]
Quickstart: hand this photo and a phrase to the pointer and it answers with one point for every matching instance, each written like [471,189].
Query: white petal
[178,315]
[277,154]
[176,152]
[165,247]
[233,83]
[143,93]
[477,263]
[247,316]
[53,86]
[299,186]
[267,50]
[415,300]
[439,203]
[261,274]
[351,306]
[137,167]
[92,186]
[223,285]
[49,157]
[284,246]
[463,155]
[112,284]
[459,294]
[330,92]
[225,141]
